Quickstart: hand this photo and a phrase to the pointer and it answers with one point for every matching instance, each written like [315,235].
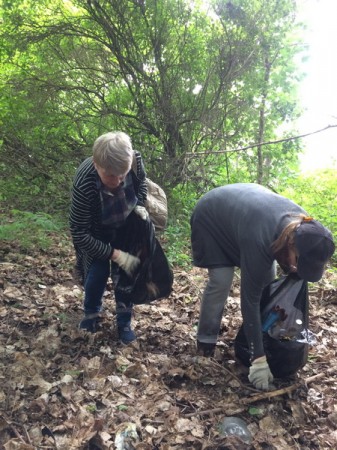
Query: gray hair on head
[113,151]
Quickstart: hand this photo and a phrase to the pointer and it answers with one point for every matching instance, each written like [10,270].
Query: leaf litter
[65,389]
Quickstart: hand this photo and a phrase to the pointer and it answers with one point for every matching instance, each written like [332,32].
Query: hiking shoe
[126,334]
[205,349]
[90,323]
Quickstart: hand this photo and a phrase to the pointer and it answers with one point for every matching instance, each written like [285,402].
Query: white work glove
[127,262]
[259,374]
[141,211]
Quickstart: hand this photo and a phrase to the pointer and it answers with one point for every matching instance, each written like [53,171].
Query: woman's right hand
[260,375]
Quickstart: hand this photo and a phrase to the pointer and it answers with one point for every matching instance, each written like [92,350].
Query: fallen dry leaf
[65,389]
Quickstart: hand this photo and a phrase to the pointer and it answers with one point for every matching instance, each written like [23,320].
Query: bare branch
[241,149]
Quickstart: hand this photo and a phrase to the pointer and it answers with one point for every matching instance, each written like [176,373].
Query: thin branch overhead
[241,149]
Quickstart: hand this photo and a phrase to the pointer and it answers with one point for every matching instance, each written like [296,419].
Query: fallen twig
[286,390]
[314,378]
[7,263]
[15,431]
[234,411]
[12,425]
[270,394]
[234,376]
[260,396]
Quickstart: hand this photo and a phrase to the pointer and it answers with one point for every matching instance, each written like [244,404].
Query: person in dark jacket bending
[248,226]
[106,193]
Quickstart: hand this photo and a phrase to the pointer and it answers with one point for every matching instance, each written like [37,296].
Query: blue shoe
[126,334]
[90,323]
[123,316]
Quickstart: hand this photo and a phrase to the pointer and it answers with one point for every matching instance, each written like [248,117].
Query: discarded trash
[126,437]
[307,337]
[295,329]
[276,314]
[235,426]
[293,333]
[277,332]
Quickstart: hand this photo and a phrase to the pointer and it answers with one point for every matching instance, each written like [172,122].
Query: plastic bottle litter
[270,320]
[126,436]
[275,316]
[235,426]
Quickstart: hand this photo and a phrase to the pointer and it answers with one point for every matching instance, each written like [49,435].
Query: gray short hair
[113,151]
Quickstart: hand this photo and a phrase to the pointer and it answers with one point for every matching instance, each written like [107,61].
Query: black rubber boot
[205,349]
[90,322]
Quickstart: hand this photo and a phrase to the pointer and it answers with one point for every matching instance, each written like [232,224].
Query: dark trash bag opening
[154,278]
[285,356]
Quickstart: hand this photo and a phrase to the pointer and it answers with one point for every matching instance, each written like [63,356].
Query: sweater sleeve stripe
[81,216]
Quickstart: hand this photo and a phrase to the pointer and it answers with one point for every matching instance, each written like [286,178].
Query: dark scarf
[117,206]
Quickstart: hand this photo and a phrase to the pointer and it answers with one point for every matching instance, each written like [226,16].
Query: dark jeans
[95,285]
[94,288]
[99,272]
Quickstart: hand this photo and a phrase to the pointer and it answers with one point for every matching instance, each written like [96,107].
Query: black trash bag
[285,354]
[153,279]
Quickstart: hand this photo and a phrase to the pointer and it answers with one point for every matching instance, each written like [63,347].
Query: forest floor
[65,389]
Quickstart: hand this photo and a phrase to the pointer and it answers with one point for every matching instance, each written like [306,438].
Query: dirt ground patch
[62,388]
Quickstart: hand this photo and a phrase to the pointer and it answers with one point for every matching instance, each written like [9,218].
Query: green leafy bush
[177,245]
[177,235]
[317,194]
[29,229]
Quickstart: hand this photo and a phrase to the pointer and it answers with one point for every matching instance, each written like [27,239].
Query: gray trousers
[213,302]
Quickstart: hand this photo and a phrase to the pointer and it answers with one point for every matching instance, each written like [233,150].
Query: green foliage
[317,194]
[29,229]
[177,245]
[92,408]
[190,84]
[122,407]
[254,411]
[178,77]
[74,373]
[35,192]
[177,235]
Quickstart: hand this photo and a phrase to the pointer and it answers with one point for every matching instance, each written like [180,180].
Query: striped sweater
[86,213]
